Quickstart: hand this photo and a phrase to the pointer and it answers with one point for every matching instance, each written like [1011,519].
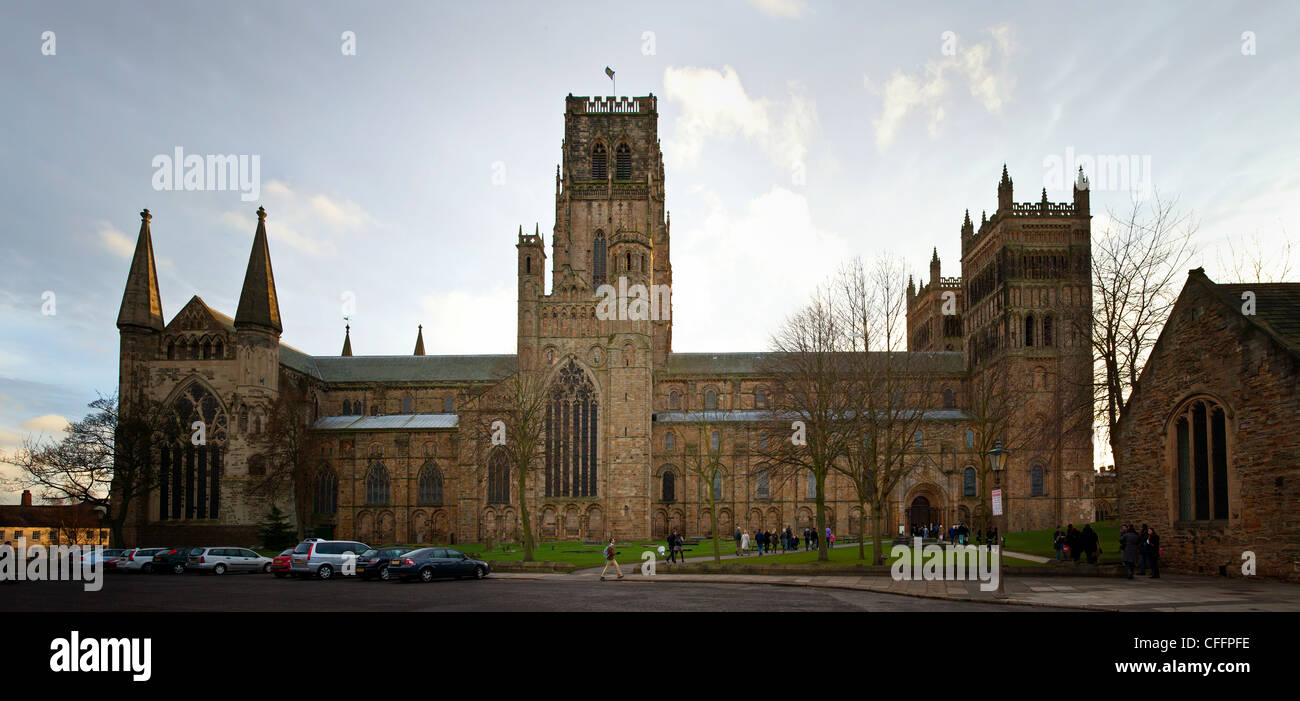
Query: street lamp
[997,461]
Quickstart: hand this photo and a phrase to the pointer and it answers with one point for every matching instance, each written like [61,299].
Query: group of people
[1140,549]
[766,541]
[1074,543]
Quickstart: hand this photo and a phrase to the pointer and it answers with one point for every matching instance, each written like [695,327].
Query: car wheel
[383,574]
[325,572]
[266,568]
[426,574]
[147,568]
[219,569]
[479,573]
[178,569]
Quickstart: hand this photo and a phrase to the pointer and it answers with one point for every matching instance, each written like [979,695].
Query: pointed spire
[141,302]
[258,305]
[966,221]
[1044,195]
[984,217]
[1006,179]
[347,341]
[419,341]
[934,259]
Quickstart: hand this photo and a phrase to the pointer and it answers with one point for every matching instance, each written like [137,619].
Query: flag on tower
[609,72]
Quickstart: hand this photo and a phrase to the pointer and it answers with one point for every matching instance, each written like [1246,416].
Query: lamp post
[997,461]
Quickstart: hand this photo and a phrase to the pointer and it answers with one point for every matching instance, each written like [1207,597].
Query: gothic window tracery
[571,434]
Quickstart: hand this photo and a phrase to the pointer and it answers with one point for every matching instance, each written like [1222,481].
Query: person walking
[671,542]
[830,538]
[1142,551]
[609,560]
[736,535]
[807,537]
[1058,542]
[1153,554]
[744,543]
[1091,543]
[680,544]
[1073,542]
[1128,545]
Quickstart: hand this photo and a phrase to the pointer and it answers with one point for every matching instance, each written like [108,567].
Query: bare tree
[1136,264]
[109,455]
[287,449]
[887,393]
[513,419]
[1251,260]
[703,459]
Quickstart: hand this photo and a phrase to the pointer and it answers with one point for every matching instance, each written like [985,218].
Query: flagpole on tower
[610,72]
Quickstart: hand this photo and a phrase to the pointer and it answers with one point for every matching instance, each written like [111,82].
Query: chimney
[27,497]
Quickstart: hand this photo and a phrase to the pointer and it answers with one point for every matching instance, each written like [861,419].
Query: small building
[1206,446]
[1105,494]
[52,524]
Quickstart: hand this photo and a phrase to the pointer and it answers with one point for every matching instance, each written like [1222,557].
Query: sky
[400,147]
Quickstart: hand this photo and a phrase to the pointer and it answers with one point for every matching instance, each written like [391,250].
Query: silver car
[137,560]
[324,558]
[223,560]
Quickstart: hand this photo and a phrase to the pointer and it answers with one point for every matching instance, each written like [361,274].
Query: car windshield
[370,553]
[417,554]
[302,549]
[287,552]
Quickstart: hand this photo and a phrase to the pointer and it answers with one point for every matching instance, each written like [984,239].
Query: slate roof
[749,415]
[1277,309]
[411,368]
[753,363]
[50,516]
[392,422]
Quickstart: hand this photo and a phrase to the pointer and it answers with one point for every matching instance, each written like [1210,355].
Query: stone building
[52,524]
[1205,448]
[1106,493]
[396,458]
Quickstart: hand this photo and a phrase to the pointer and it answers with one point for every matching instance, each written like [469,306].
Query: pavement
[1171,592]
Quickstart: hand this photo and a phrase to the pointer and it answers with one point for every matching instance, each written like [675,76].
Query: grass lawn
[1040,542]
[838,556]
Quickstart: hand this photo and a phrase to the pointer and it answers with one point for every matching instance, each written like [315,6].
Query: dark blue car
[428,564]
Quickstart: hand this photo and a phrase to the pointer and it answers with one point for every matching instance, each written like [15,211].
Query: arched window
[449,405]
[1036,481]
[572,431]
[498,478]
[171,350]
[710,399]
[347,408]
[377,485]
[919,437]
[325,493]
[715,442]
[970,438]
[528,264]
[668,487]
[949,399]
[207,350]
[622,162]
[1047,330]
[968,482]
[717,485]
[219,351]
[406,405]
[189,479]
[670,441]
[811,492]
[674,400]
[763,490]
[429,485]
[598,258]
[628,265]
[760,398]
[599,162]
[1201,452]
[1029,330]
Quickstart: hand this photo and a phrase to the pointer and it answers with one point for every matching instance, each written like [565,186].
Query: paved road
[265,593]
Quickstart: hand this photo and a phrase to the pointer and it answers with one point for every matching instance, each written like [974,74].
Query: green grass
[1040,542]
[838,556]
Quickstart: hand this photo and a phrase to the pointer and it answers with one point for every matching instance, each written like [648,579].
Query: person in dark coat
[1153,554]
[1089,538]
[1128,546]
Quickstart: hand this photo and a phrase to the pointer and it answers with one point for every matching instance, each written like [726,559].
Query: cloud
[714,105]
[781,9]
[310,223]
[726,296]
[118,243]
[460,322]
[49,423]
[927,93]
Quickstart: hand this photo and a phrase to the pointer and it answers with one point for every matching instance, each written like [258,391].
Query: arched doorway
[918,514]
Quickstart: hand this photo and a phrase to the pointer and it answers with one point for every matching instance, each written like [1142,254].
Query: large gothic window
[598,259]
[377,492]
[623,162]
[763,490]
[189,472]
[498,478]
[668,488]
[1201,447]
[429,485]
[1036,481]
[571,434]
[599,161]
[968,482]
[325,493]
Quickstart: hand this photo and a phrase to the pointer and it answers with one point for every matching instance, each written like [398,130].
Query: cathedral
[393,457]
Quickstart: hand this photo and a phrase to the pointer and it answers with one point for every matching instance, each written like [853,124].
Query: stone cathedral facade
[394,454]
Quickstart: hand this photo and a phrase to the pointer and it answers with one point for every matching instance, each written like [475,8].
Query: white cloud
[118,243]
[927,93]
[49,423]
[715,105]
[727,297]
[781,9]
[462,322]
[307,222]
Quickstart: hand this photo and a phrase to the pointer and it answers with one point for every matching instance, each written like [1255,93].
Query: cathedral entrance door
[919,513]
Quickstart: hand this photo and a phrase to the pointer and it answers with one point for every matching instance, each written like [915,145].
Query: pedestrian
[609,560]
[1128,544]
[830,538]
[1058,542]
[744,543]
[736,535]
[1153,554]
[681,546]
[1091,543]
[807,537]
[1142,551]
[671,543]
[1073,542]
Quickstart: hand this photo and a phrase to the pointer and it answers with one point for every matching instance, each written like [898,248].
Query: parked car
[428,564]
[280,563]
[322,558]
[223,560]
[102,557]
[138,560]
[373,563]
[172,560]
